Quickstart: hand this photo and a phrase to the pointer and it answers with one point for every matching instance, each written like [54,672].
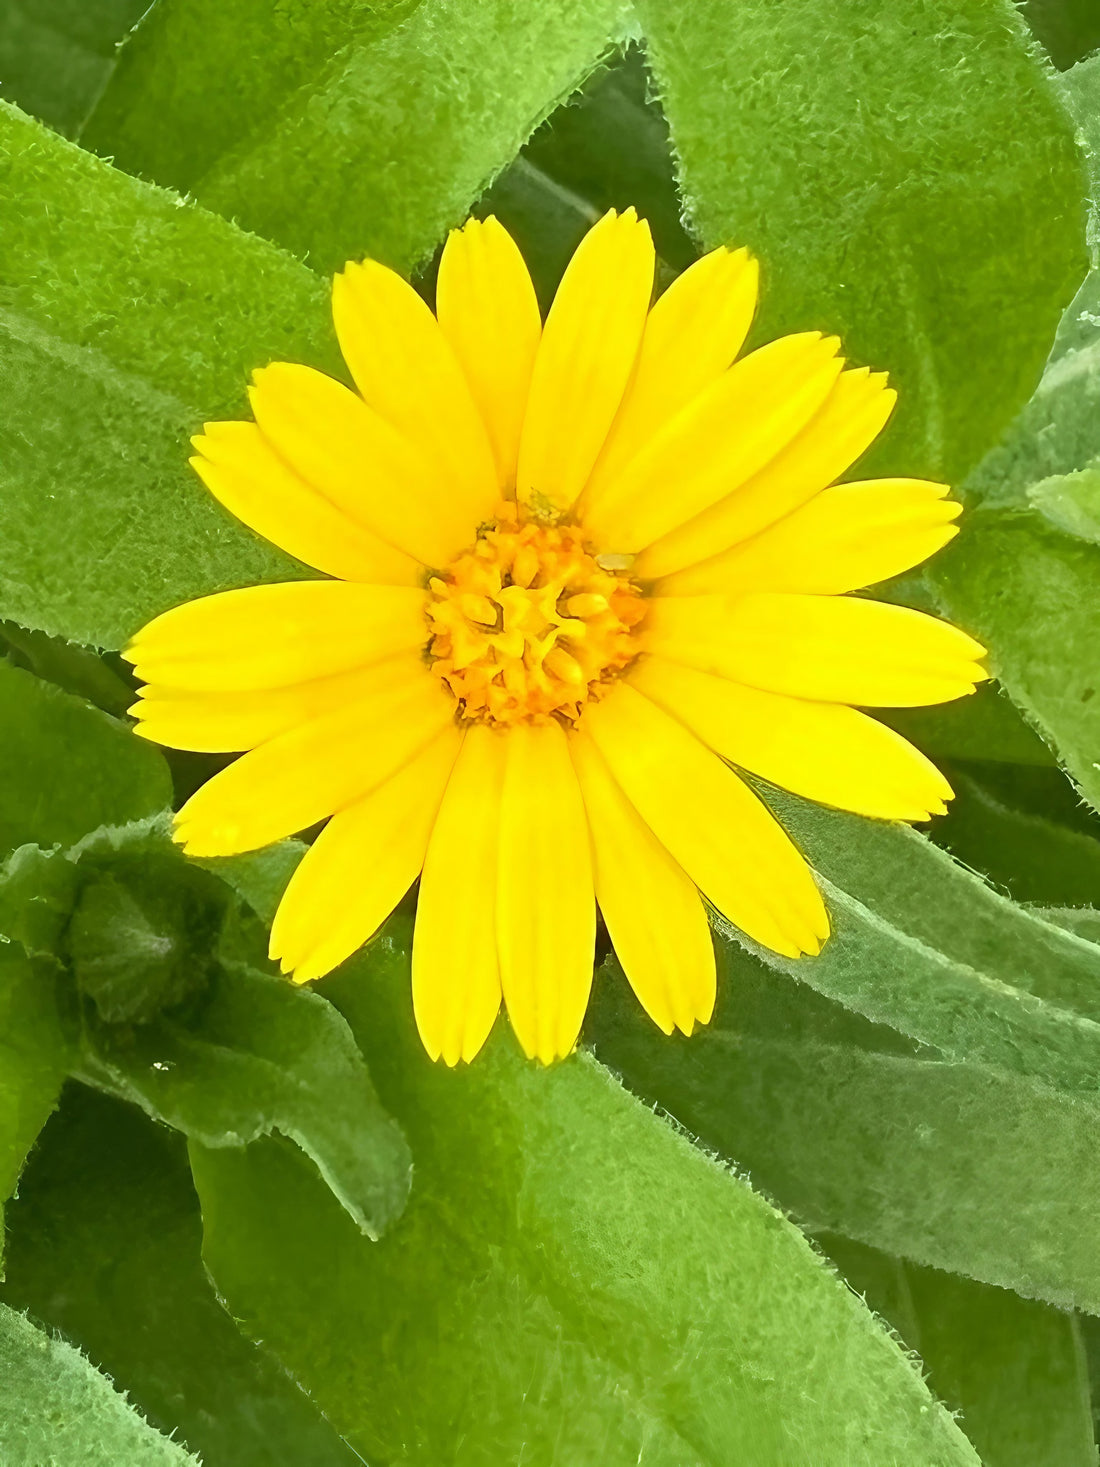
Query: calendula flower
[581,573]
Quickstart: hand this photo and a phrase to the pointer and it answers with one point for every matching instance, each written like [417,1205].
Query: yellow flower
[580,573]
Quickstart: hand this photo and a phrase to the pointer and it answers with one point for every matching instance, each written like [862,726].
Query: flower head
[579,574]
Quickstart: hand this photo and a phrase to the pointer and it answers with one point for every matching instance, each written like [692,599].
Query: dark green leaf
[572,1281]
[104,1245]
[56,1410]
[1013,1368]
[909,179]
[1069,29]
[56,55]
[1028,855]
[374,148]
[34,1058]
[73,768]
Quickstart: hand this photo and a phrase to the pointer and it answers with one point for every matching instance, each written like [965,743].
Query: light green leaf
[104,1245]
[1032,594]
[134,316]
[853,1129]
[375,148]
[72,767]
[909,179]
[1071,502]
[572,1281]
[57,1411]
[1014,1369]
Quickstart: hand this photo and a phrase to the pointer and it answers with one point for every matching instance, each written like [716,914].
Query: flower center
[529,623]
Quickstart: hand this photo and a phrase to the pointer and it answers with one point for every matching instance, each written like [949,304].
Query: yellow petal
[361,865]
[271,636]
[723,437]
[825,751]
[488,312]
[229,722]
[406,371]
[693,333]
[587,353]
[850,419]
[243,472]
[654,914]
[455,973]
[546,910]
[844,538]
[351,455]
[315,769]
[838,649]
[710,822]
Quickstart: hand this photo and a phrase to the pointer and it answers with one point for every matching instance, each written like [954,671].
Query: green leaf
[104,1245]
[56,1409]
[943,958]
[173,1018]
[1069,29]
[376,148]
[1071,502]
[1028,855]
[77,768]
[909,179]
[56,55]
[1032,594]
[1013,1368]
[854,1129]
[572,1281]
[34,1059]
[137,316]
[984,726]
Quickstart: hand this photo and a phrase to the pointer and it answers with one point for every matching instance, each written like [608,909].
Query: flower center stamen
[528,624]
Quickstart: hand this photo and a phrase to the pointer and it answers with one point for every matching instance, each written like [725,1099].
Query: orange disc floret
[528,624]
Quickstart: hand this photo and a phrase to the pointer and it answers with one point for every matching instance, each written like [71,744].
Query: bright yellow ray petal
[546,909]
[851,418]
[711,823]
[488,312]
[844,538]
[455,973]
[358,461]
[585,358]
[314,769]
[243,472]
[406,371]
[825,751]
[838,649]
[274,635]
[361,865]
[693,333]
[654,914]
[723,437]
[231,722]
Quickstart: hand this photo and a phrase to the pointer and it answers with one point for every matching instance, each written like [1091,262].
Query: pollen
[529,624]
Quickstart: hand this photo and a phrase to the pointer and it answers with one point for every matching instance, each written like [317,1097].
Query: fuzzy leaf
[56,1409]
[970,1168]
[373,148]
[1013,1368]
[909,179]
[136,316]
[564,1256]
[104,1245]
[73,767]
